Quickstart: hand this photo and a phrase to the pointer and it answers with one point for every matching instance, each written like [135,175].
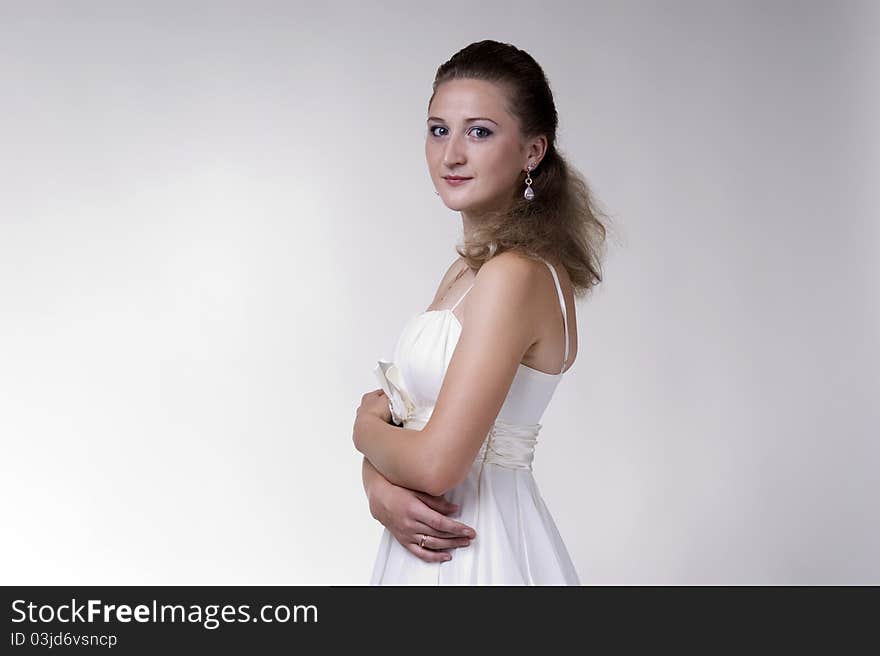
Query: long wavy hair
[563,220]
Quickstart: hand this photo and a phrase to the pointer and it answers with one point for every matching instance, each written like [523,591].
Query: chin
[465,202]
[458,205]
[455,207]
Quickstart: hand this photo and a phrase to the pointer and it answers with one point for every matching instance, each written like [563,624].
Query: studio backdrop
[216,216]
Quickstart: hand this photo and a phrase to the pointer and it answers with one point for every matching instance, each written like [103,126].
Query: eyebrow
[467,120]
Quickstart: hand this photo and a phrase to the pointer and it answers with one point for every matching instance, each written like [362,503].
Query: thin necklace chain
[454,280]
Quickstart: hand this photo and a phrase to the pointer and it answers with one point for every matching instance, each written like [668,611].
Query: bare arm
[402,455]
[417,520]
[368,474]
[406,476]
[498,332]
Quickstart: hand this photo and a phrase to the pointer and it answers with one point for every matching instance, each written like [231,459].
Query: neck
[468,222]
[472,217]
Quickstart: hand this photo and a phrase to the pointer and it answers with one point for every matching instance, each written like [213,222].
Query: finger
[427,554]
[436,544]
[424,529]
[440,504]
[442,523]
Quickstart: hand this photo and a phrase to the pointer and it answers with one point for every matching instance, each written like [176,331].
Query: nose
[453,153]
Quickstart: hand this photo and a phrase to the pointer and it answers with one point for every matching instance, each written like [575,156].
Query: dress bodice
[424,350]
[421,357]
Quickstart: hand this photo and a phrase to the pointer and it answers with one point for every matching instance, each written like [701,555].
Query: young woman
[448,441]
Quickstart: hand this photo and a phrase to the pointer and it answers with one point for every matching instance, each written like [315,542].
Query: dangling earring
[437,192]
[530,193]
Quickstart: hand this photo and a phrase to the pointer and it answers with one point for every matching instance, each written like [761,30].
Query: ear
[535,150]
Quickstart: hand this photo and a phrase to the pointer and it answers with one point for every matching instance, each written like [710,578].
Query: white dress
[517,542]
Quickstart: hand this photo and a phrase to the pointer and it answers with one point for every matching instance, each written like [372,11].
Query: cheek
[503,169]
[504,160]
[433,156]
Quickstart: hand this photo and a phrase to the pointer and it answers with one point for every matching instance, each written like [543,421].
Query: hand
[375,403]
[410,514]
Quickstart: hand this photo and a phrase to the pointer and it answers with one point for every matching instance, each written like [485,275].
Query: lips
[454,177]
[455,181]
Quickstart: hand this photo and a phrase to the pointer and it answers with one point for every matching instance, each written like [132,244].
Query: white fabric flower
[399,400]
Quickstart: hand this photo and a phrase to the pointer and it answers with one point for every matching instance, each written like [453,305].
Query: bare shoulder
[525,283]
[511,273]
[508,282]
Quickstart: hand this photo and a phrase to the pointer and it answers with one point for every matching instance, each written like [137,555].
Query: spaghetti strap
[564,312]
[461,297]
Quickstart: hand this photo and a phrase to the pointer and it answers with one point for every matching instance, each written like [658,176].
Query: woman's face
[471,134]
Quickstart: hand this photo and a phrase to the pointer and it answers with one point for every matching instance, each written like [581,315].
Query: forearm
[371,477]
[398,454]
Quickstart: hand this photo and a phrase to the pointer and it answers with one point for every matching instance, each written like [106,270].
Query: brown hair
[562,220]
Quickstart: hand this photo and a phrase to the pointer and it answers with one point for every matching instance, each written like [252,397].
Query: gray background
[214,217]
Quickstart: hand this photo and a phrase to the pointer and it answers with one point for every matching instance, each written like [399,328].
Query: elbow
[446,469]
[436,487]
[442,480]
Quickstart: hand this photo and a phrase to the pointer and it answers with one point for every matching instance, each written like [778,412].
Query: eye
[484,132]
[488,132]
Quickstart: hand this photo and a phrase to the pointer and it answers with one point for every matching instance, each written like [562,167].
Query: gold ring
[422,541]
